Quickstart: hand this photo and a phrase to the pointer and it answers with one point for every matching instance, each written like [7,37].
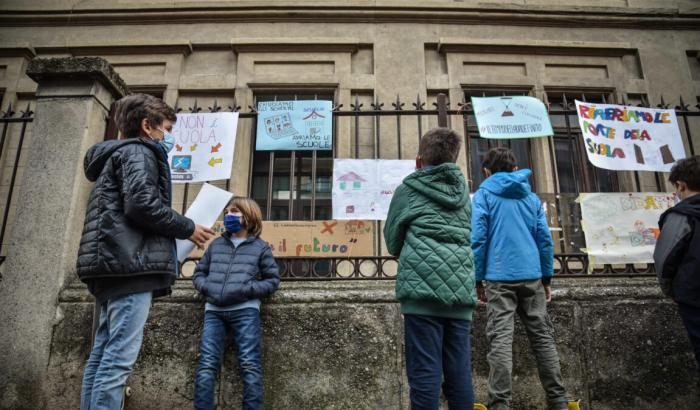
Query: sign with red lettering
[319,238]
[626,138]
[204,145]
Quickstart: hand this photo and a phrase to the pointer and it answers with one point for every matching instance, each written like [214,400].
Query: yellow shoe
[479,406]
[575,405]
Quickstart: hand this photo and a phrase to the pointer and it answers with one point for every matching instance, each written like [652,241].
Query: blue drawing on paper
[294,125]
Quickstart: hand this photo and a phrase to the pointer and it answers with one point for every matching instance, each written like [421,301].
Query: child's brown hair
[439,145]
[251,218]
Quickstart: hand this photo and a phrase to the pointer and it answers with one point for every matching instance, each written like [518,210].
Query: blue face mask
[168,141]
[232,223]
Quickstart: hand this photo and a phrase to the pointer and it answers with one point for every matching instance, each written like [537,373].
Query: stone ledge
[18,50]
[80,49]
[350,45]
[338,345]
[382,291]
[594,48]
[652,16]
[77,68]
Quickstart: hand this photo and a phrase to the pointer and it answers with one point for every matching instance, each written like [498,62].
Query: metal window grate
[371,129]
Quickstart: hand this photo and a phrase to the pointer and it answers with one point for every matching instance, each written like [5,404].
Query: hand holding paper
[201,235]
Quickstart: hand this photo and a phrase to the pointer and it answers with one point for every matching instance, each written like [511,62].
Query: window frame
[296,203]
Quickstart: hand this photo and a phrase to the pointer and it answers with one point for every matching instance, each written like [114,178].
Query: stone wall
[338,345]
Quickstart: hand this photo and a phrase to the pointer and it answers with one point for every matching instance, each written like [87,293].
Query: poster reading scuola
[619,137]
[204,146]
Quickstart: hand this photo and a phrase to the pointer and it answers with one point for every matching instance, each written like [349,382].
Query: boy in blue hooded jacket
[514,255]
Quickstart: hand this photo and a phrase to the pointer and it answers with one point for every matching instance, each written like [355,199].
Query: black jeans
[437,346]
[690,315]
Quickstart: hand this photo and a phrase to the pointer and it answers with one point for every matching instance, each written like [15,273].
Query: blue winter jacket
[510,236]
[227,275]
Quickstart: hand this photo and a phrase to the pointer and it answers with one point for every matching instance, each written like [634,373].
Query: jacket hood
[98,154]
[443,184]
[508,184]
[688,207]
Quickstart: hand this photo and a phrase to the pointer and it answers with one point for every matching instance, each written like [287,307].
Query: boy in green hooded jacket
[429,228]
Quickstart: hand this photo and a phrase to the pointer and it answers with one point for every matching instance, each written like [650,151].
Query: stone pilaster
[73,99]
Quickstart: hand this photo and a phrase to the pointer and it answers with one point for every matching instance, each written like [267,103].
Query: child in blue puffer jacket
[514,255]
[235,273]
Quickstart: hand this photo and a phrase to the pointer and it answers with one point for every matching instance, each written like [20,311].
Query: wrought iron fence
[14,127]
[571,173]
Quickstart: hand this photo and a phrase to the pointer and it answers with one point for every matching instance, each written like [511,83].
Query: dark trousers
[244,325]
[437,347]
[690,315]
[527,300]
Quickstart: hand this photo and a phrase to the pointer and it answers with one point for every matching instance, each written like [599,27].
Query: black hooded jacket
[677,253]
[128,237]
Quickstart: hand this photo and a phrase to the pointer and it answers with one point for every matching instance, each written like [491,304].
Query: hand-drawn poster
[624,138]
[204,145]
[511,117]
[622,227]
[362,188]
[294,125]
[319,238]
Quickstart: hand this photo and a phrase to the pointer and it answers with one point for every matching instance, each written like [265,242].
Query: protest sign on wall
[294,125]
[621,138]
[511,117]
[311,238]
[622,227]
[319,238]
[362,188]
[204,145]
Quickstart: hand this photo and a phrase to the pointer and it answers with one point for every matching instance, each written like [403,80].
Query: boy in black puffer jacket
[677,252]
[235,273]
[127,250]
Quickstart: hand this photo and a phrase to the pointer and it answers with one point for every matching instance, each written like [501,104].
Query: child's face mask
[232,223]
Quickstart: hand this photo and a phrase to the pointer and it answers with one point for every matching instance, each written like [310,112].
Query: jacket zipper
[228,270]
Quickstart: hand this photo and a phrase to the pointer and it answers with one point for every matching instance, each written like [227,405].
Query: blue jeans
[244,324]
[114,352]
[437,347]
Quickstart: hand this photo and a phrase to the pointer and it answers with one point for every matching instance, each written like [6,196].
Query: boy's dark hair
[439,145]
[133,108]
[499,160]
[688,171]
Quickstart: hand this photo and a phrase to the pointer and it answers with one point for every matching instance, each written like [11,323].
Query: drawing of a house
[349,178]
[314,124]
[313,115]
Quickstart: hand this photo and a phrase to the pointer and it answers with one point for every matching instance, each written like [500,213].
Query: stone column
[73,99]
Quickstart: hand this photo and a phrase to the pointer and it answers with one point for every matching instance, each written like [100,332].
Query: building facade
[383,64]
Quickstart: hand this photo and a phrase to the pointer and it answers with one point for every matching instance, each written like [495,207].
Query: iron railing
[9,120]
[569,260]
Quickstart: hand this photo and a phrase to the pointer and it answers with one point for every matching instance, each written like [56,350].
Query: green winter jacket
[429,228]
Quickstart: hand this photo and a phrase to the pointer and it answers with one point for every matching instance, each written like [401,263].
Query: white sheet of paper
[622,227]
[363,188]
[205,210]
